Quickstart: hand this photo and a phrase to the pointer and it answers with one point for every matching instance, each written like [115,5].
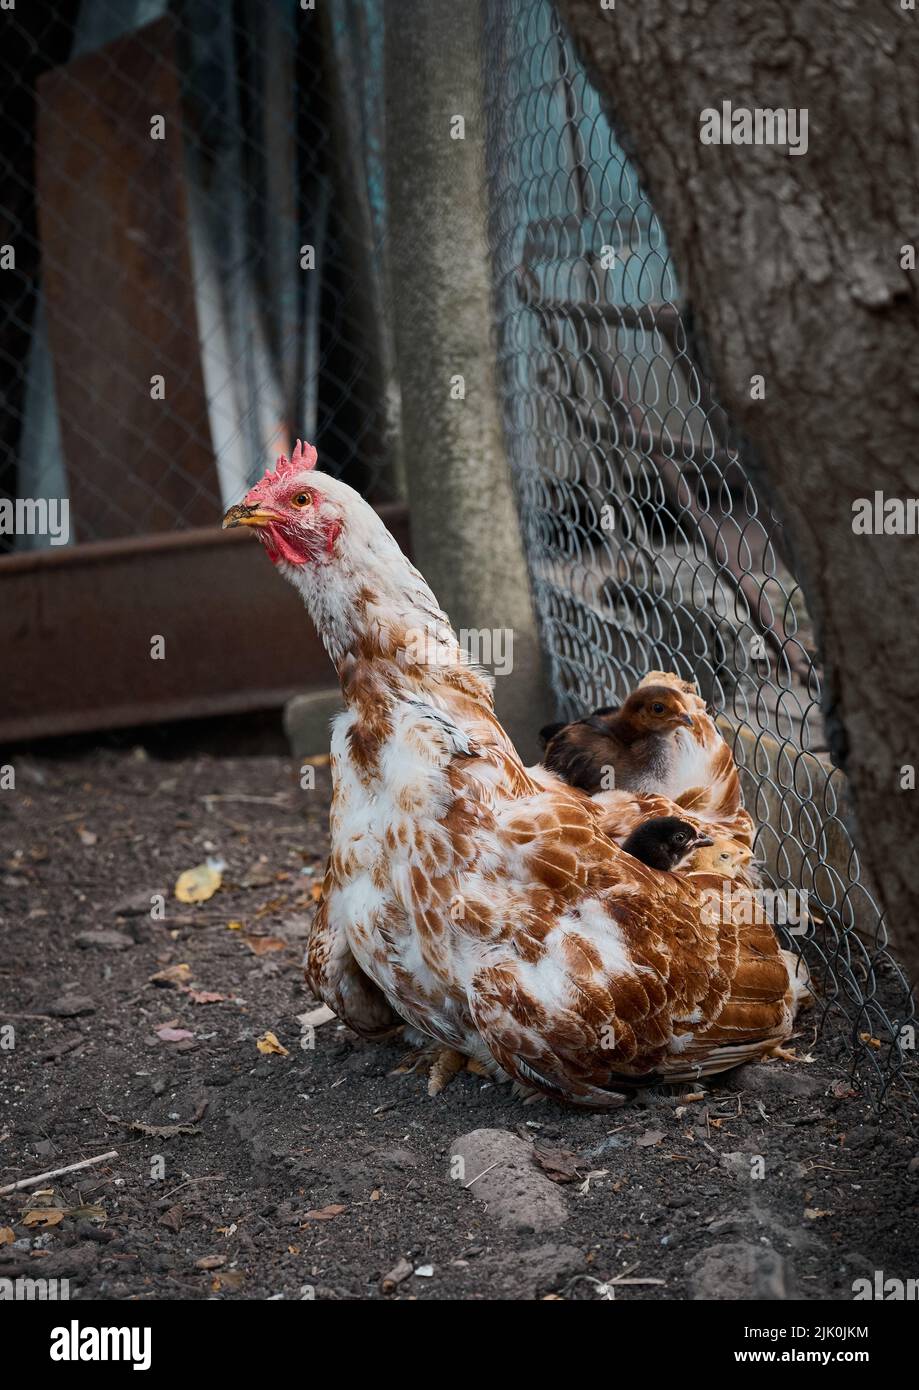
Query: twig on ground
[57,1172]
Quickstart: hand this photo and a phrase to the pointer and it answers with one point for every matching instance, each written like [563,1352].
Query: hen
[471,897]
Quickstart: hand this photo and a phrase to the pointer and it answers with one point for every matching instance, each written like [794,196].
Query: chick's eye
[657,708]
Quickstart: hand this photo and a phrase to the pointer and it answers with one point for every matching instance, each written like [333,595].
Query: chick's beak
[244,515]
[700,841]
[687,720]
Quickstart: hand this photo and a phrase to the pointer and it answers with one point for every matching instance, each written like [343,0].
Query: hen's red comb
[304,456]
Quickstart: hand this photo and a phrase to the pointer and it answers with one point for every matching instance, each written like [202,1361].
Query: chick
[723,856]
[665,842]
[632,747]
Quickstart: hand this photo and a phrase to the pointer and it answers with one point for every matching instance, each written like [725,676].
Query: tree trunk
[792,267]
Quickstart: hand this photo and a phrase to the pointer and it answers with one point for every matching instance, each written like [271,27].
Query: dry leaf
[7,1235]
[325,1213]
[234,926]
[269,1044]
[43,1216]
[168,1034]
[650,1138]
[231,1279]
[396,1275]
[172,1218]
[316,892]
[87,1213]
[869,1040]
[200,883]
[210,1261]
[261,945]
[87,837]
[561,1165]
[172,976]
[813,1213]
[205,996]
[152,1131]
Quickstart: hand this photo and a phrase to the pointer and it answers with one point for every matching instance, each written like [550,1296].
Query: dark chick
[665,842]
[635,740]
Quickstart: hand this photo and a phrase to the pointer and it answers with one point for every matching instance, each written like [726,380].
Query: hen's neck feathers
[368,602]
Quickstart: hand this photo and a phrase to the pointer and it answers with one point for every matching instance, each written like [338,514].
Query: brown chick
[633,747]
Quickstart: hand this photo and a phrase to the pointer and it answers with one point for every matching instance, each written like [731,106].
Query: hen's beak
[685,719]
[243,515]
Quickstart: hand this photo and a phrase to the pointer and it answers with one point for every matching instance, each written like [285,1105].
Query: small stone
[139,904]
[499,1171]
[71,1006]
[738,1270]
[777,1079]
[104,940]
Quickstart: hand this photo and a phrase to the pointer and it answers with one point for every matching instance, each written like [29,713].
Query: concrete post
[465,531]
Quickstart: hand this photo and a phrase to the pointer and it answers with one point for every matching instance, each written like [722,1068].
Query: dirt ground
[314,1172]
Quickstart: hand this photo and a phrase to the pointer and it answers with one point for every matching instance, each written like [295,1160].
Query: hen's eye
[302,499]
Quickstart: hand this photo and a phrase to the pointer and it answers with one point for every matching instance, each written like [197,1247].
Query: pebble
[500,1169]
[738,1270]
[71,1006]
[104,940]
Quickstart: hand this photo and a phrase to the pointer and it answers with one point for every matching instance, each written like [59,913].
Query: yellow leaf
[268,1044]
[43,1216]
[234,926]
[200,883]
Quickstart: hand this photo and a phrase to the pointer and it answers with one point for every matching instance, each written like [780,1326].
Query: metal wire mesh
[181,255]
[647,543]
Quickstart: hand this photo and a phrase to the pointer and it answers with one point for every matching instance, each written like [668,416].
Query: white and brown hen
[473,898]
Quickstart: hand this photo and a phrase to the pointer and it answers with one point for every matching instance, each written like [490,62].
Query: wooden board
[76,625]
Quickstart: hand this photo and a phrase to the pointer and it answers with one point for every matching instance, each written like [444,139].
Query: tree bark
[792,267]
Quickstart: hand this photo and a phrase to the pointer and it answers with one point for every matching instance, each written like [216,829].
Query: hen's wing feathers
[629,983]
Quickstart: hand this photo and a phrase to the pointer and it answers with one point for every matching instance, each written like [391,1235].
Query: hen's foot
[785,1054]
[441,1064]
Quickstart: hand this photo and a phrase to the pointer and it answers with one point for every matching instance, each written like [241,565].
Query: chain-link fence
[647,543]
[190,218]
